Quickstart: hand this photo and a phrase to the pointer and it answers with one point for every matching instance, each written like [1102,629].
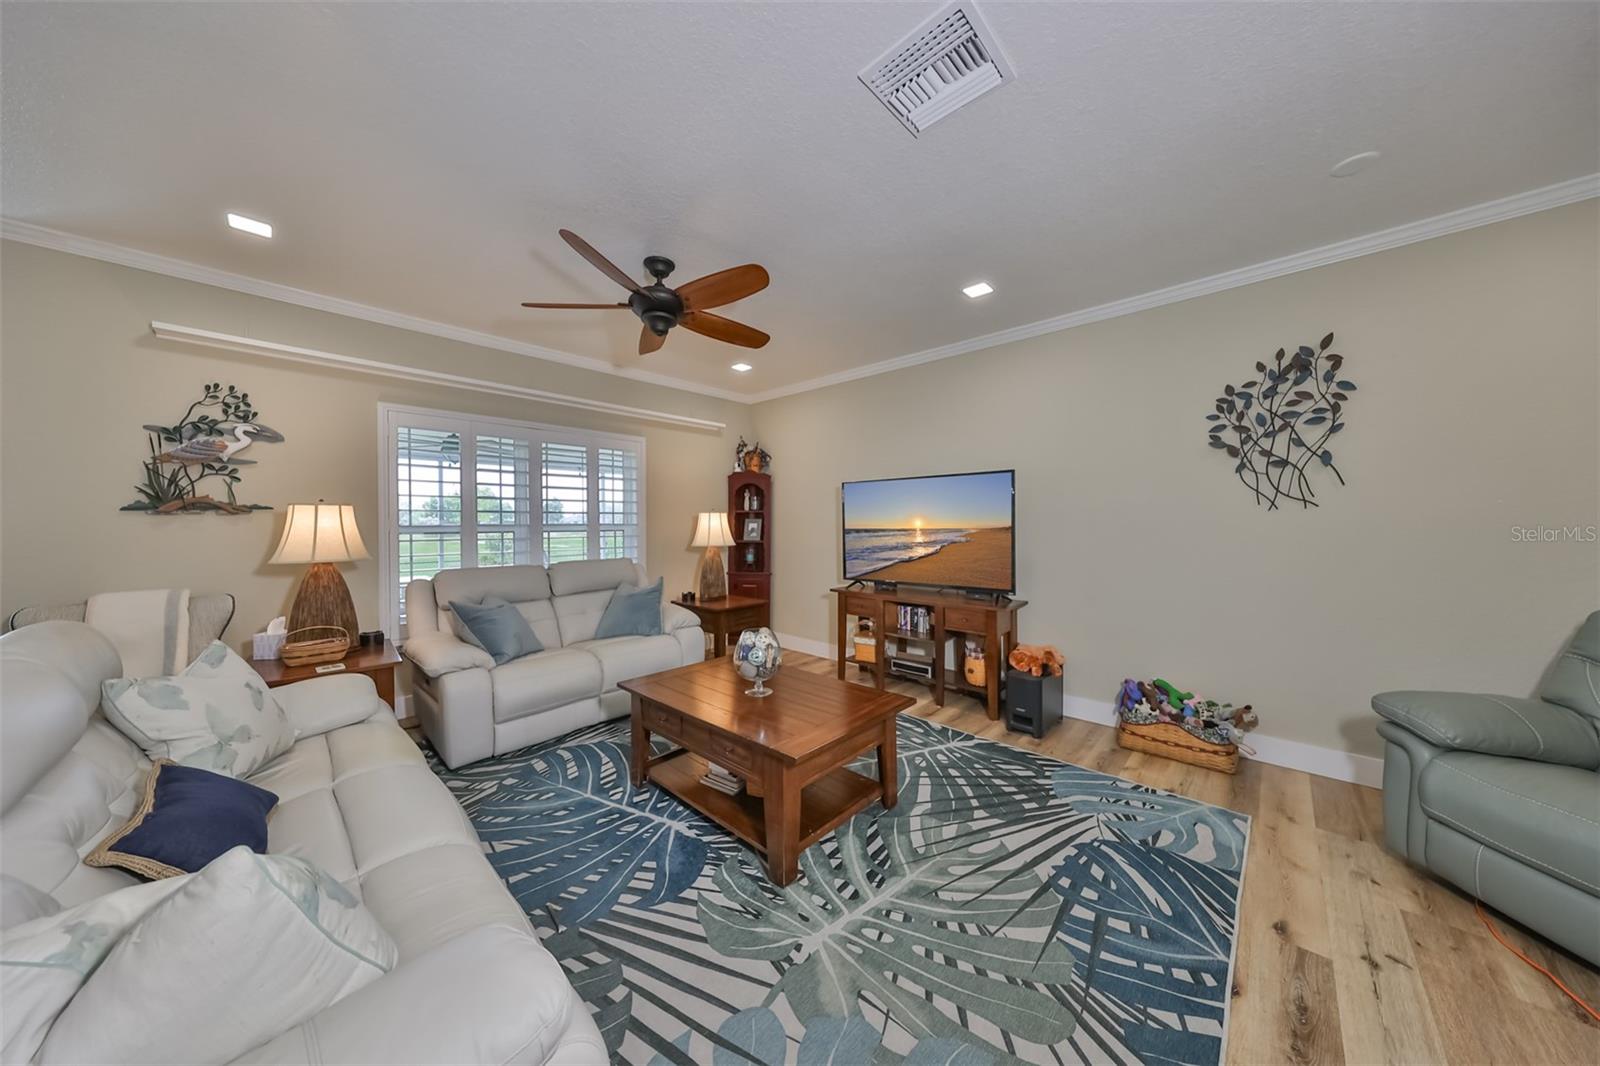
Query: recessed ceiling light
[1355,164]
[982,288]
[250,225]
[742,368]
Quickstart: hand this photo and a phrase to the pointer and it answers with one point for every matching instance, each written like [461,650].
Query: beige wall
[80,372]
[1477,359]
[1476,354]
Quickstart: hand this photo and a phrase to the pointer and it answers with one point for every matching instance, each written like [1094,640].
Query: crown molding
[28,233]
[1525,203]
[293,354]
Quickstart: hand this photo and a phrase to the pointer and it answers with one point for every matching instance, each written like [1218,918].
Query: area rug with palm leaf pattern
[1010,908]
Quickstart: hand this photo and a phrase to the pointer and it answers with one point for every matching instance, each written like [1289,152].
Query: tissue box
[267,645]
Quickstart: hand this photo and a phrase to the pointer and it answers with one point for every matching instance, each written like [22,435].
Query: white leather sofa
[355,796]
[471,709]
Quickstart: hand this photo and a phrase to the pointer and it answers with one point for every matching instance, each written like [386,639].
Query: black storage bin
[1033,704]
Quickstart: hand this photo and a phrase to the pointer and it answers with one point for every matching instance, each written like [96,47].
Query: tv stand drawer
[966,619]
[864,605]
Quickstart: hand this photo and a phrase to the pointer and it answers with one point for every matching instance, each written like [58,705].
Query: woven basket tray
[314,644]
[1176,742]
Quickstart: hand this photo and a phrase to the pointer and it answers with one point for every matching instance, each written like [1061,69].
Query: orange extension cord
[1503,943]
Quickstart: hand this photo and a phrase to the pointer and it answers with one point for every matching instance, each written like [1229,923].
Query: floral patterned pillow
[217,715]
[44,962]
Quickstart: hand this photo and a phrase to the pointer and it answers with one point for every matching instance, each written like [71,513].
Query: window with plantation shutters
[564,494]
[618,517]
[503,469]
[541,494]
[427,472]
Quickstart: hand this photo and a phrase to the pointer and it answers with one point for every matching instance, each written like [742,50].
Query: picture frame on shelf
[752,529]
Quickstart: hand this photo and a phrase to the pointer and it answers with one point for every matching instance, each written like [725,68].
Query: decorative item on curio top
[756,657]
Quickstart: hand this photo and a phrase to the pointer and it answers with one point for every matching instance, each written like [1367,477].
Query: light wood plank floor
[1346,953]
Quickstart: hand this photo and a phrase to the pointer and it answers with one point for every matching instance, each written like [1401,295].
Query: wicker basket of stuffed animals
[1159,718]
[1176,742]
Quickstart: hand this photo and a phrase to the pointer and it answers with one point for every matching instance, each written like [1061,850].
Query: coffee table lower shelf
[825,803]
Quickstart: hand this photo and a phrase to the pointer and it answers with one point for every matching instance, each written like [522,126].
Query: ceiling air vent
[948,61]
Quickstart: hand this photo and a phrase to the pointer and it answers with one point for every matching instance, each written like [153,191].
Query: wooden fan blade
[723,329]
[598,261]
[723,287]
[649,342]
[589,307]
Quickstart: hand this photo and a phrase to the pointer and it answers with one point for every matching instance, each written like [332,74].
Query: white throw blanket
[149,629]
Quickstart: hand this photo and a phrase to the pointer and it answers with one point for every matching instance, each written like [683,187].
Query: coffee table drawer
[728,752]
[661,720]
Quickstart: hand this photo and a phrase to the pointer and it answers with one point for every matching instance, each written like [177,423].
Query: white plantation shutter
[539,494]
[564,494]
[427,472]
[618,517]
[504,512]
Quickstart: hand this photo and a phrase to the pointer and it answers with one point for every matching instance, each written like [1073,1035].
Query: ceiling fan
[660,307]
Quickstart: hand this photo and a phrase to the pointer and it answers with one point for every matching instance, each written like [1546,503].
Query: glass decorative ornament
[756,657]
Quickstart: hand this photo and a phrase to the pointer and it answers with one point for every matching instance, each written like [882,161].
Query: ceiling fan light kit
[661,307]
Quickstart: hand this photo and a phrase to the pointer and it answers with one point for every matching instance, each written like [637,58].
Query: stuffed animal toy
[1172,692]
[1036,659]
[1230,732]
[1023,659]
[1129,696]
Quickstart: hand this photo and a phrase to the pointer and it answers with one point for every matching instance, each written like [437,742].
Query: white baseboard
[805,644]
[1292,754]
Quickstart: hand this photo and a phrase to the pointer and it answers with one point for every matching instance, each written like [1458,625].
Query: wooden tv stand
[954,615]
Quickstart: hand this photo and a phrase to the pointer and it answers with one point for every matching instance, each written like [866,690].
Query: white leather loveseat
[473,984]
[472,709]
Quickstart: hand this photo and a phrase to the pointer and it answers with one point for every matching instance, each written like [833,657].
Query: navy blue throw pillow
[186,818]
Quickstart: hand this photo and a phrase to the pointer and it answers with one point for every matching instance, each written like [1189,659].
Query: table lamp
[711,532]
[321,534]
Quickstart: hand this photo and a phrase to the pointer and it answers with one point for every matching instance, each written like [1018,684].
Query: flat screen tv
[948,530]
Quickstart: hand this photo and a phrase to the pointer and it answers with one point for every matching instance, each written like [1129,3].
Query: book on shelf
[911,619]
[722,779]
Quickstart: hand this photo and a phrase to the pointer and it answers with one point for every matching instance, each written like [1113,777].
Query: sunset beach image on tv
[952,530]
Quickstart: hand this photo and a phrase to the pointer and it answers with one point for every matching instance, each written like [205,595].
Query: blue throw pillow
[500,628]
[186,818]
[632,612]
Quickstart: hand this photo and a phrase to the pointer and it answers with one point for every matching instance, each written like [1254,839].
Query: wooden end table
[791,747]
[377,663]
[727,617]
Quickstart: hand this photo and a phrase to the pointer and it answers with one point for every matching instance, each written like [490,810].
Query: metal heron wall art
[202,449]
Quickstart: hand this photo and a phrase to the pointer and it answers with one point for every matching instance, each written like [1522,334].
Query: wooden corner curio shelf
[750,512]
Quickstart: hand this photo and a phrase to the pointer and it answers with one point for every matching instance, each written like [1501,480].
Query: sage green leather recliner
[1501,795]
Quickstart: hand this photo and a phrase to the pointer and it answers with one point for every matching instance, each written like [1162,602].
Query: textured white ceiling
[421,157]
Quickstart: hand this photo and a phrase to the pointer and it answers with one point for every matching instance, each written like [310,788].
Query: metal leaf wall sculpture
[1280,424]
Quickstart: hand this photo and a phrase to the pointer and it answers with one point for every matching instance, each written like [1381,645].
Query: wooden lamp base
[713,580]
[324,600]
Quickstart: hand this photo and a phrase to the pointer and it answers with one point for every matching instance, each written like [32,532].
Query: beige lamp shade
[712,531]
[320,533]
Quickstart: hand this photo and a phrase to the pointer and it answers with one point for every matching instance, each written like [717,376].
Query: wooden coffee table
[791,747]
